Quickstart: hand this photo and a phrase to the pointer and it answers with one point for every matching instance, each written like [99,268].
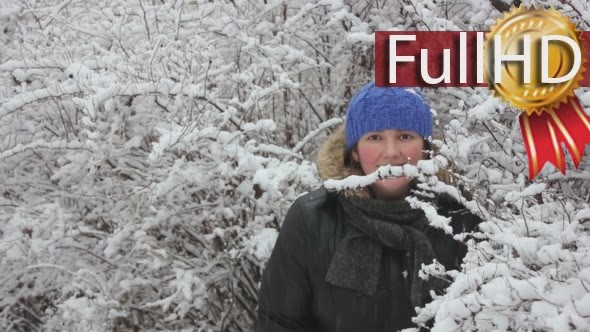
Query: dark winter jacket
[294,295]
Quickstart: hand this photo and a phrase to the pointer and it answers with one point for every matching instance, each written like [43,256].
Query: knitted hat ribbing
[373,109]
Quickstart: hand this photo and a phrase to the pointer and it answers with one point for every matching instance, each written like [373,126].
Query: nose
[392,150]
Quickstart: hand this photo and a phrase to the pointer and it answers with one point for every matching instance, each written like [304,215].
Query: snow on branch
[18,101]
[323,126]
[434,219]
[423,167]
[42,144]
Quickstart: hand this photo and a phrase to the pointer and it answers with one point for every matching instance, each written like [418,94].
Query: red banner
[461,59]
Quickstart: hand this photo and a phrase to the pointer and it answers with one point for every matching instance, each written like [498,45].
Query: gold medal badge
[552,114]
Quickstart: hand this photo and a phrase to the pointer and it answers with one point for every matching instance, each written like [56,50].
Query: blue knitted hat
[373,109]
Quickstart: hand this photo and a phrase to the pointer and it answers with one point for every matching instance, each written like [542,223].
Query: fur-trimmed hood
[330,158]
[330,162]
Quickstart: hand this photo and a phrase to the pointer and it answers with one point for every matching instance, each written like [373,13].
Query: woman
[349,261]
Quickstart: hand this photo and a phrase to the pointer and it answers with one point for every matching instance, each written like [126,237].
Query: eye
[406,136]
[373,137]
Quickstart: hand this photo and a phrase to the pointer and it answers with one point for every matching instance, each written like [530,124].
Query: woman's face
[389,147]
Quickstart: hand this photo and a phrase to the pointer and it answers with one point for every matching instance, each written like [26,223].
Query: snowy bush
[150,149]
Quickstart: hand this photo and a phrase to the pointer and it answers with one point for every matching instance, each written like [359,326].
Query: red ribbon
[543,135]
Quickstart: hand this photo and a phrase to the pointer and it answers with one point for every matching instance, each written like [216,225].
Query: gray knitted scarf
[357,260]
